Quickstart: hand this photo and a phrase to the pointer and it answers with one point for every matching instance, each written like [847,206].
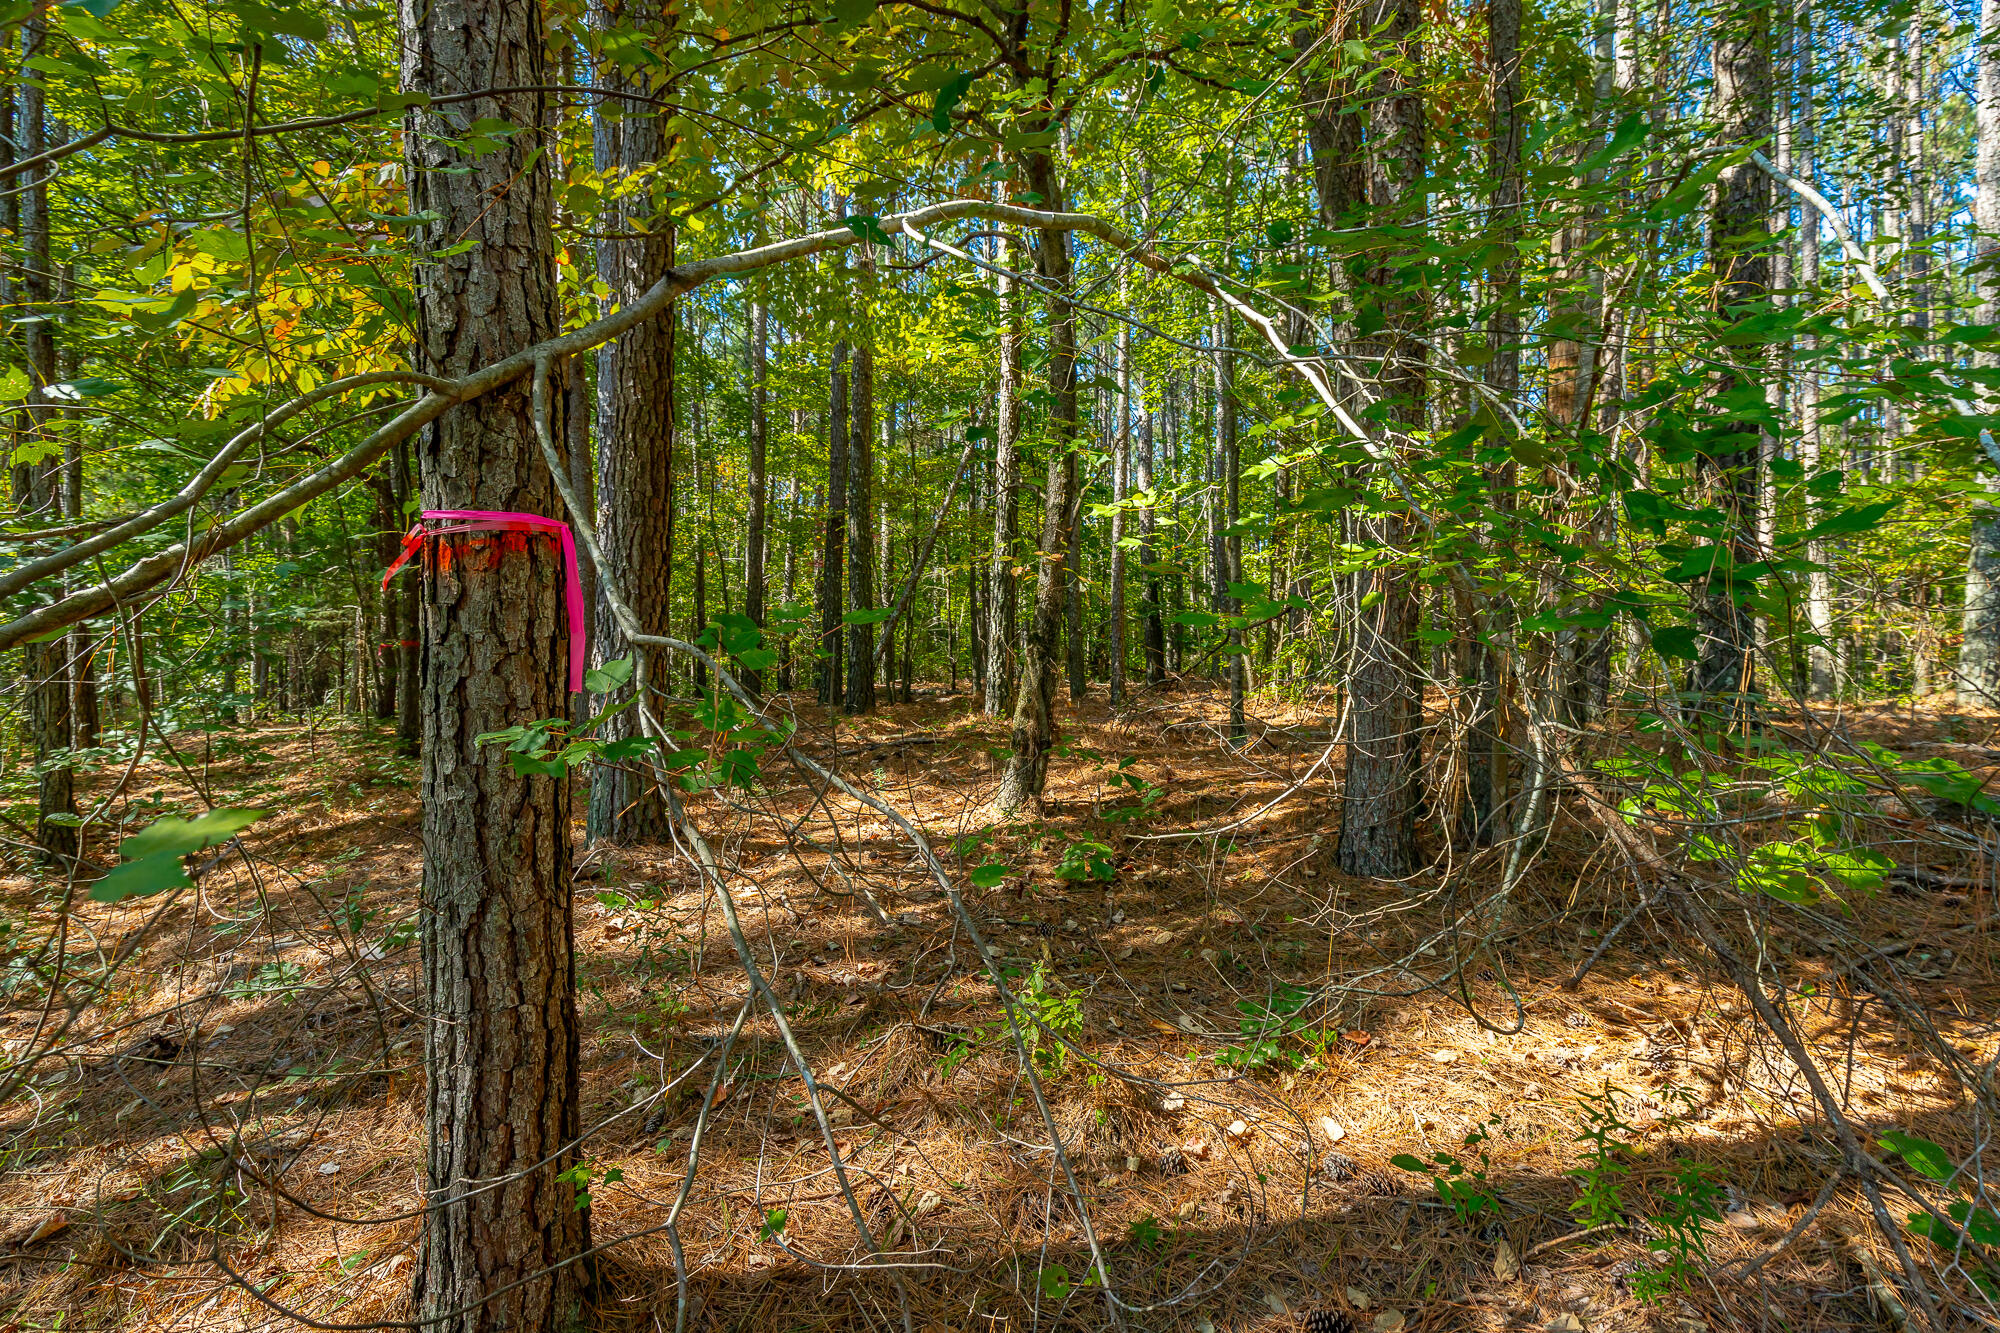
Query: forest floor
[267,1024]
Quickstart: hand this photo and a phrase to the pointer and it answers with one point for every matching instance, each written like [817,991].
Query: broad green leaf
[182,837]
[1924,1157]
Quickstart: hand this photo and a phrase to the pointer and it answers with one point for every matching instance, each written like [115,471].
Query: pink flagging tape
[495,520]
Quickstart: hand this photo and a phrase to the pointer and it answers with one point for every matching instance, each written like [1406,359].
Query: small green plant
[1265,1025]
[281,979]
[1687,1212]
[1974,1224]
[1600,1197]
[1087,860]
[1053,1014]
[1460,1184]
[582,1175]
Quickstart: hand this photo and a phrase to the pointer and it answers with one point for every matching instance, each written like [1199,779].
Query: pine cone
[1328,1321]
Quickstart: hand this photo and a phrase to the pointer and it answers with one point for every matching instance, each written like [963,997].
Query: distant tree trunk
[1121,486]
[1979,658]
[1033,730]
[384,654]
[785,681]
[1232,542]
[1378,809]
[409,662]
[1149,521]
[1006,496]
[1485,757]
[753,555]
[860,693]
[635,427]
[500,1037]
[1739,257]
[1075,640]
[38,485]
[833,551]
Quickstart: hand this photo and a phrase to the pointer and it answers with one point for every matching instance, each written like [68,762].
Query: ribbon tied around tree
[450,522]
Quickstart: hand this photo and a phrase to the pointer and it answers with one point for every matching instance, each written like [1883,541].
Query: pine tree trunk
[635,432]
[860,694]
[1979,657]
[1739,257]
[834,547]
[1232,542]
[1121,475]
[1379,802]
[1000,595]
[501,1037]
[1150,612]
[38,484]
[754,537]
[1033,730]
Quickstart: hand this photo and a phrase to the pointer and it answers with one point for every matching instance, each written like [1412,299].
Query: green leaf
[1630,131]
[848,13]
[1675,641]
[182,837]
[1054,1282]
[867,227]
[1409,1163]
[989,875]
[14,384]
[94,8]
[774,1223]
[1858,519]
[875,617]
[148,874]
[612,675]
[1924,1157]
[948,97]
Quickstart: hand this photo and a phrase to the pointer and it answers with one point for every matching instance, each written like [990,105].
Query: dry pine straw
[280,1010]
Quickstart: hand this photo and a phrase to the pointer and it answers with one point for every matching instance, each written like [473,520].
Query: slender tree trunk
[753,554]
[1121,479]
[1232,541]
[635,430]
[408,592]
[1979,658]
[1006,496]
[1149,521]
[38,485]
[833,550]
[501,1038]
[1033,730]
[1486,758]
[860,695]
[385,654]
[1739,257]
[1378,809]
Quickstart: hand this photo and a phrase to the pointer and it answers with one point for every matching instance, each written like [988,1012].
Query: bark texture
[498,964]
[1379,800]
[635,428]
[1740,261]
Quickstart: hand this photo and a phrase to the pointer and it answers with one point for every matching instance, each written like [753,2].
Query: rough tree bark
[834,546]
[753,555]
[1739,257]
[1121,486]
[1033,730]
[1379,798]
[635,425]
[1000,597]
[37,485]
[859,696]
[501,1040]
[1979,658]
[1485,765]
